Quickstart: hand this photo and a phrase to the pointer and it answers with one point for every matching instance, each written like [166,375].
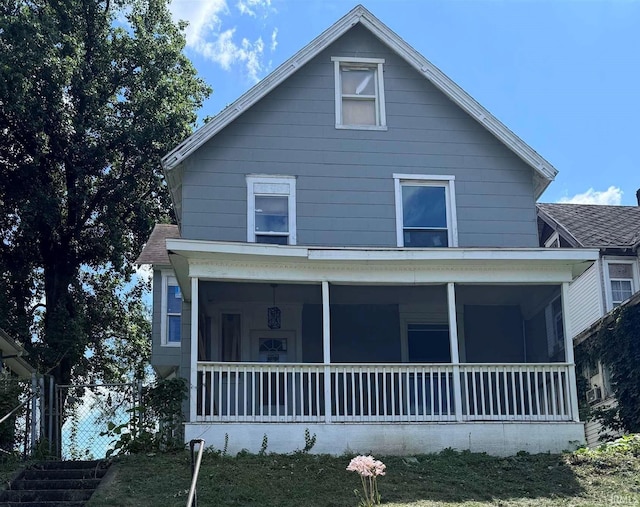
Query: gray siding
[345,189]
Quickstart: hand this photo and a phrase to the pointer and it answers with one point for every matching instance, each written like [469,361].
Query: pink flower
[367,466]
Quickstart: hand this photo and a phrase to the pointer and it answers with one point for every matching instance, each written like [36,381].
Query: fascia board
[186,246]
[361,15]
[459,254]
[195,248]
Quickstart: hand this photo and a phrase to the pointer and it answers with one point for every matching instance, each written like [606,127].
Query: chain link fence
[85,412]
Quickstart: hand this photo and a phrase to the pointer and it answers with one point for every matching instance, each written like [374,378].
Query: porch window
[621,282]
[359,90]
[172,312]
[425,211]
[555,328]
[271,213]
[428,343]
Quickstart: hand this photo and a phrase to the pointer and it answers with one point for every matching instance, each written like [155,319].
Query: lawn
[448,479]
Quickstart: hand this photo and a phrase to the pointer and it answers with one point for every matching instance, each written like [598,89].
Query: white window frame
[608,279]
[168,278]
[427,180]
[277,185]
[368,63]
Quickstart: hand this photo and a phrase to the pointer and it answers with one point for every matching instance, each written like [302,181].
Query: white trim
[279,185]
[453,323]
[193,374]
[375,64]
[326,349]
[359,14]
[382,128]
[552,239]
[455,348]
[443,181]
[168,277]
[356,59]
[607,278]
[568,352]
[426,177]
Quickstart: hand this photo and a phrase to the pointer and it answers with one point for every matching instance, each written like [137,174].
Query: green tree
[617,345]
[92,94]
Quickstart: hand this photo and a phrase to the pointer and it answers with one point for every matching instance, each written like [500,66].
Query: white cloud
[249,7]
[209,35]
[611,196]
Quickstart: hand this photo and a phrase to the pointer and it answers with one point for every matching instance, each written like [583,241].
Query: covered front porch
[463,345]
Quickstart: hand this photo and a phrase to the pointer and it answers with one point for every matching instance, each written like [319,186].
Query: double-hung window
[425,211]
[359,90]
[621,282]
[171,311]
[271,209]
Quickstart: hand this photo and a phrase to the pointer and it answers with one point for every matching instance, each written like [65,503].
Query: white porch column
[455,355]
[326,350]
[193,377]
[568,353]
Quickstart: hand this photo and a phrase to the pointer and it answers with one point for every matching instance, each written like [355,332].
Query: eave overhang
[300,264]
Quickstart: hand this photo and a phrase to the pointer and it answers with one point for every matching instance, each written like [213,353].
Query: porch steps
[55,484]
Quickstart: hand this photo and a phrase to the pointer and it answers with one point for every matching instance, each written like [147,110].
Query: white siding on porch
[585,301]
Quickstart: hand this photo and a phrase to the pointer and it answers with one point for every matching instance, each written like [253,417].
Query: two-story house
[609,283]
[357,255]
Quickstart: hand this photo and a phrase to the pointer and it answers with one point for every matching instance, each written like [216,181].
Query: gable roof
[591,225]
[544,171]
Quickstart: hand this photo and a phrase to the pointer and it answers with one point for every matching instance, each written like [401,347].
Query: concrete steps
[54,484]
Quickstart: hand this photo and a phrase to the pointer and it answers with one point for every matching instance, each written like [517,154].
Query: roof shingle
[155,251]
[597,225]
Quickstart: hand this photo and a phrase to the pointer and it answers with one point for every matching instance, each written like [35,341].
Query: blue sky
[563,75]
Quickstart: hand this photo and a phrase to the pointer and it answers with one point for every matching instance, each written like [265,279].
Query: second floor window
[359,90]
[271,209]
[621,282]
[425,211]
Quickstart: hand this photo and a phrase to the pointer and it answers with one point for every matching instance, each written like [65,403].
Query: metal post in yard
[50,433]
[34,405]
[43,405]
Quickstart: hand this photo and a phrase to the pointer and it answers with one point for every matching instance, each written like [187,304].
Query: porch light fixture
[273,313]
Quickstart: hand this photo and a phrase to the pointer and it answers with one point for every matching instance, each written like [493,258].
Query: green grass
[447,479]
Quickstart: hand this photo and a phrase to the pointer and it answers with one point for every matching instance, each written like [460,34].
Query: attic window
[359,93]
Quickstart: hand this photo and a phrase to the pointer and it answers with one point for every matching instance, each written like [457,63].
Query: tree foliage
[617,346]
[92,94]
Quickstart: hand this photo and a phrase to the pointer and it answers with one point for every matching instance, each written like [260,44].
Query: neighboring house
[357,255]
[607,284]
[12,356]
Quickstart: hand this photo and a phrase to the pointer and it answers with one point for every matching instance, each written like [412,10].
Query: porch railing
[287,392]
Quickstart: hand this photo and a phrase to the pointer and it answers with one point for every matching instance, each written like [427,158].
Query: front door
[273,350]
